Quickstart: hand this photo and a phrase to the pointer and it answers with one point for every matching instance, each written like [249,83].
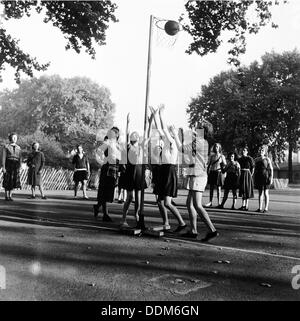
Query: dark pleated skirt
[11,178]
[246,185]
[155,178]
[80,176]
[262,179]
[167,181]
[231,181]
[107,184]
[34,179]
[215,178]
[133,178]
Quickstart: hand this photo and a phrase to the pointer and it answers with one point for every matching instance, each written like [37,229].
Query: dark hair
[32,145]
[105,138]
[78,145]
[11,135]
[245,147]
[116,130]
[207,128]
[232,153]
[214,147]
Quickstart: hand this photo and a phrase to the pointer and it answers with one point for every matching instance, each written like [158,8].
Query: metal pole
[145,158]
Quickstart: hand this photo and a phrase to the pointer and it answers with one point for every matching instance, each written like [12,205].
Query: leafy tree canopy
[71,110]
[254,105]
[207,21]
[81,23]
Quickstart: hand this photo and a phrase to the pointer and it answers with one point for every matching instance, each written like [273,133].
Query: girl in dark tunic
[109,172]
[11,163]
[81,171]
[167,180]
[233,171]
[263,178]
[216,163]
[246,180]
[134,179]
[35,162]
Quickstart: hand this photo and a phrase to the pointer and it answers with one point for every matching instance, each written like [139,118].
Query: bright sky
[121,64]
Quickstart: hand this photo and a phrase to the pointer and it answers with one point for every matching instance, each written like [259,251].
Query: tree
[254,105]
[71,111]
[81,22]
[207,21]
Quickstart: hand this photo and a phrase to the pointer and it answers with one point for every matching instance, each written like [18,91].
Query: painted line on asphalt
[234,249]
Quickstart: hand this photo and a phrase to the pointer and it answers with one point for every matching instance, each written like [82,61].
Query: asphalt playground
[55,249]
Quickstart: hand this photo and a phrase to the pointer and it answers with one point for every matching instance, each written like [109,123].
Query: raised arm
[163,125]
[3,159]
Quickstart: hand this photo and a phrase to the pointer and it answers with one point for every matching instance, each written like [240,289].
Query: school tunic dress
[215,177]
[167,180]
[35,162]
[81,168]
[109,173]
[196,154]
[246,181]
[262,173]
[132,179]
[11,178]
[232,170]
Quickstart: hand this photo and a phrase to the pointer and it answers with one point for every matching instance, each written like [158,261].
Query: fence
[53,179]
[62,179]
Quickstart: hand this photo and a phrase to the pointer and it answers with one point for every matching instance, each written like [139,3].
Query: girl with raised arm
[109,172]
[196,155]
[167,182]
[134,180]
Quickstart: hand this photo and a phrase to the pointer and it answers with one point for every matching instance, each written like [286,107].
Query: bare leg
[173,210]
[84,188]
[260,198]
[192,212]
[137,204]
[126,205]
[234,198]
[41,191]
[163,211]
[33,191]
[219,192]
[75,189]
[225,197]
[267,199]
[197,202]
[246,203]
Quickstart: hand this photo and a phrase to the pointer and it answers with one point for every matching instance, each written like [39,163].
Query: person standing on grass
[216,163]
[233,172]
[11,164]
[81,171]
[196,151]
[263,178]
[35,163]
[246,181]
[167,182]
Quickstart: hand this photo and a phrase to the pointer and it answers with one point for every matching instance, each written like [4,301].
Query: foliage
[70,111]
[81,23]
[207,21]
[254,105]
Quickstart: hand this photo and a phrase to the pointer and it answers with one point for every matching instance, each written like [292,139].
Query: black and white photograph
[149,154]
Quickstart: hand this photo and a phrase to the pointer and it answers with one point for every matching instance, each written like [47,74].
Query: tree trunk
[290,163]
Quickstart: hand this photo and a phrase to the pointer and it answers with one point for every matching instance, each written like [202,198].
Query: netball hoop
[166,32]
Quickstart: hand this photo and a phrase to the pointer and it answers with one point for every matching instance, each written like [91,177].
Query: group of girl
[243,174]
[164,158]
[11,164]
